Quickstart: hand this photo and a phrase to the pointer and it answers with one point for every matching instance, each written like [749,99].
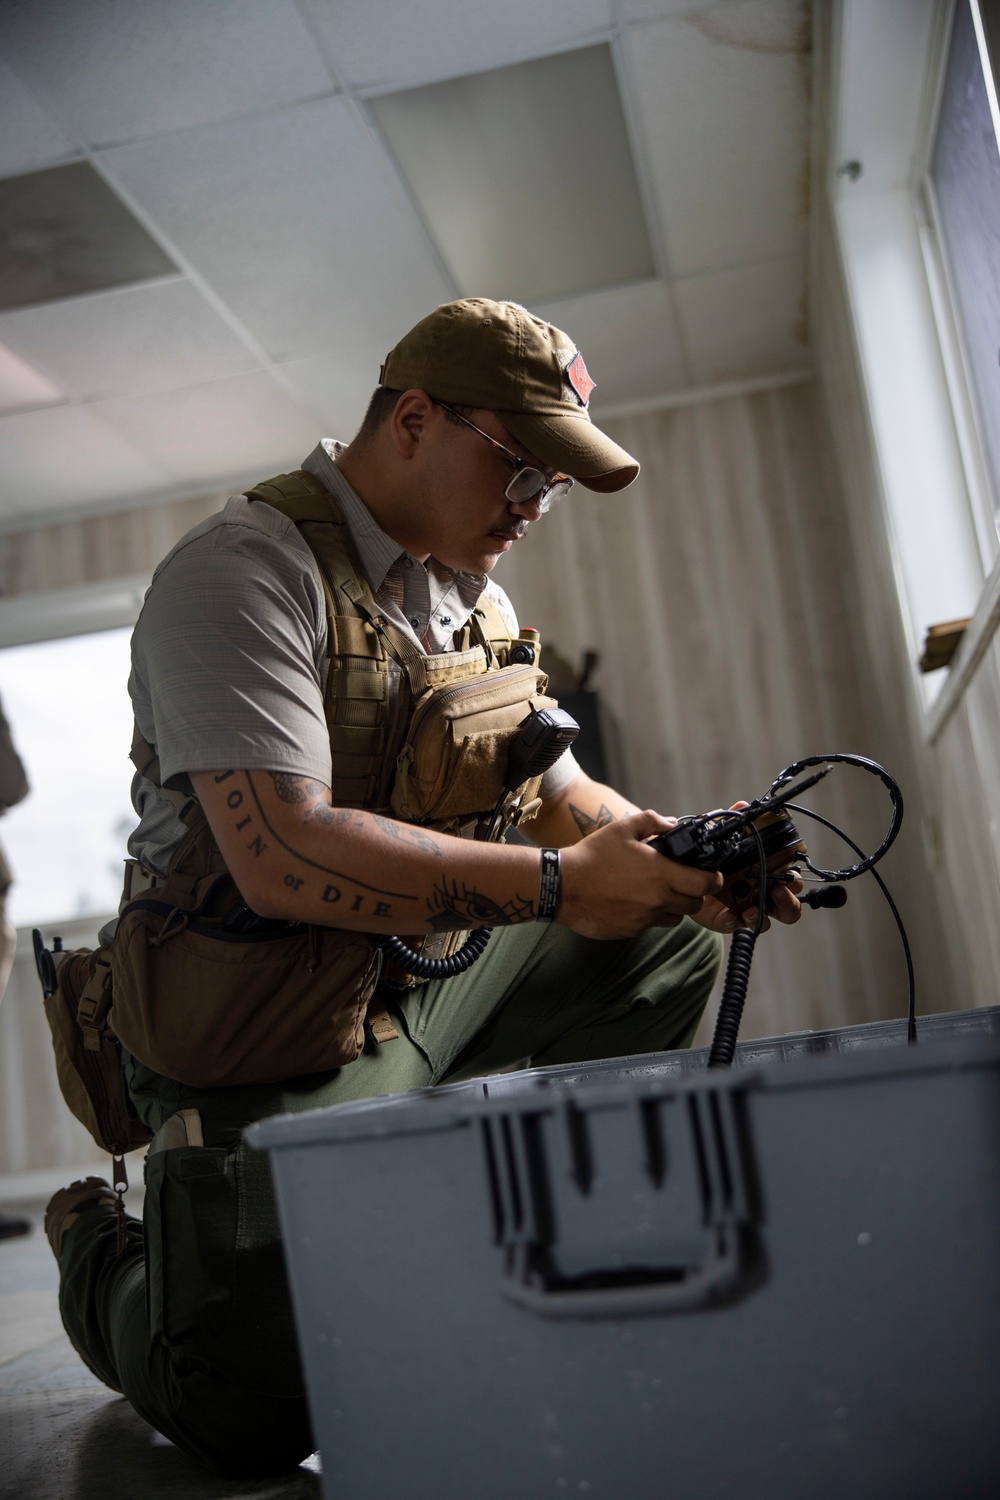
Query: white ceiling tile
[336,387]
[628,338]
[723,109]
[121,70]
[54,459]
[134,339]
[394,43]
[741,324]
[29,138]
[295,222]
[242,427]
[22,387]
[482,154]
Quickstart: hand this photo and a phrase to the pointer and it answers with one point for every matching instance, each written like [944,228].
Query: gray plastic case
[639,1279]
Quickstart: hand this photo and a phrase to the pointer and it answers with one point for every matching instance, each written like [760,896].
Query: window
[907,216]
[963,192]
[69,711]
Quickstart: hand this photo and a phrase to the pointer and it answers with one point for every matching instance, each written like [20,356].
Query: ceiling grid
[654,218]
[242,137]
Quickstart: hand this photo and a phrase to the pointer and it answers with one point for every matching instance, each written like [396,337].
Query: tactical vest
[433,752]
[375,747]
[436,753]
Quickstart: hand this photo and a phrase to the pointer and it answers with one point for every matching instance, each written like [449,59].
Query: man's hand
[781,903]
[615,886]
[587,808]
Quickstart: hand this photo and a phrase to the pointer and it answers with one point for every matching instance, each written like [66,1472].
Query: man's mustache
[513,532]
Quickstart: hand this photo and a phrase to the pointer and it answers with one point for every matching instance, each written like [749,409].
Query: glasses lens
[555,492]
[527,483]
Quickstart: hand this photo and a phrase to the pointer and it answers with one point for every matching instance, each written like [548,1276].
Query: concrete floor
[64,1435]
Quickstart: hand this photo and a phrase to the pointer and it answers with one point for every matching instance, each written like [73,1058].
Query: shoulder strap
[491,630]
[300,496]
[357,695]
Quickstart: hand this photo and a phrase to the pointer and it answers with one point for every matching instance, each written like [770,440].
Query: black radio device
[754,845]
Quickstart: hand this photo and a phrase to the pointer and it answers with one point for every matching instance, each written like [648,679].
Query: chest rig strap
[356,701]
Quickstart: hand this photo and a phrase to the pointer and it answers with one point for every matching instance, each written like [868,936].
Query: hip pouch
[211,1007]
[88,1054]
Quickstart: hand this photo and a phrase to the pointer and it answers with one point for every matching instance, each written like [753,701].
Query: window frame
[887,65]
[983,488]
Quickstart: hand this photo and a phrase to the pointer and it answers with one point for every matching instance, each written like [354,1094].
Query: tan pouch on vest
[213,1009]
[453,763]
[88,1057]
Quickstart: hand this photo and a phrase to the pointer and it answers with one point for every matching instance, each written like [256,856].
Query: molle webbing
[356,702]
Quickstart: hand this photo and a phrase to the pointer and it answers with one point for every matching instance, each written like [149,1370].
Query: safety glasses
[526,482]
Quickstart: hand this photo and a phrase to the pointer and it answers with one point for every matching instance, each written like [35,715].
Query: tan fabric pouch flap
[454,762]
[211,1010]
[88,1058]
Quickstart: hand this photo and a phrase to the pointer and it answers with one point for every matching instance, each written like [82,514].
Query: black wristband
[548,887]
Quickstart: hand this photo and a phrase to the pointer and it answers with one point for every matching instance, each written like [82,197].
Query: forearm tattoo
[408,833]
[455,905]
[312,795]
[358,895]
[586,823]
[452,906]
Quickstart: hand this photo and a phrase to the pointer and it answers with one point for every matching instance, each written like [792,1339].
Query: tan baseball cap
[501,358]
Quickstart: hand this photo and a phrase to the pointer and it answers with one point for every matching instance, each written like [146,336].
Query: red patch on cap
[576,374]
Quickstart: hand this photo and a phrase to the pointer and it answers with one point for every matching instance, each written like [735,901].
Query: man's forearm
[578,810]
[296,856]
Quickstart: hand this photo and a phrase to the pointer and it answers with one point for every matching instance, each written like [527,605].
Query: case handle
[527,1281]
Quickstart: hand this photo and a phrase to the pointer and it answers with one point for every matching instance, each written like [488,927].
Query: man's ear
[413,413]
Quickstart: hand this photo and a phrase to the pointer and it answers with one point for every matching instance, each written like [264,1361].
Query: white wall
[720,590]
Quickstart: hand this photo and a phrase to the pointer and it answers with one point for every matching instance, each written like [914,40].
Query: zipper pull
[119,1181]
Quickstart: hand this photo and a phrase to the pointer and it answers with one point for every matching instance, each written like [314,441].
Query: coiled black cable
[734,994]
[734,990]
[437,968]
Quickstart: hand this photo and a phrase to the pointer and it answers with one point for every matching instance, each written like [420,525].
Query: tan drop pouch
[88,1057]
[212,1008]
[455,759]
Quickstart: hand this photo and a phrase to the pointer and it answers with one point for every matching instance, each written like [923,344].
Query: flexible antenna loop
[864,764]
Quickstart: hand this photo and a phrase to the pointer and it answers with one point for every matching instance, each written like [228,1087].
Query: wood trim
[974,644]
[103,549]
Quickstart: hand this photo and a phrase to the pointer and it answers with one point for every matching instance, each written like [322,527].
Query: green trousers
[193,1321]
